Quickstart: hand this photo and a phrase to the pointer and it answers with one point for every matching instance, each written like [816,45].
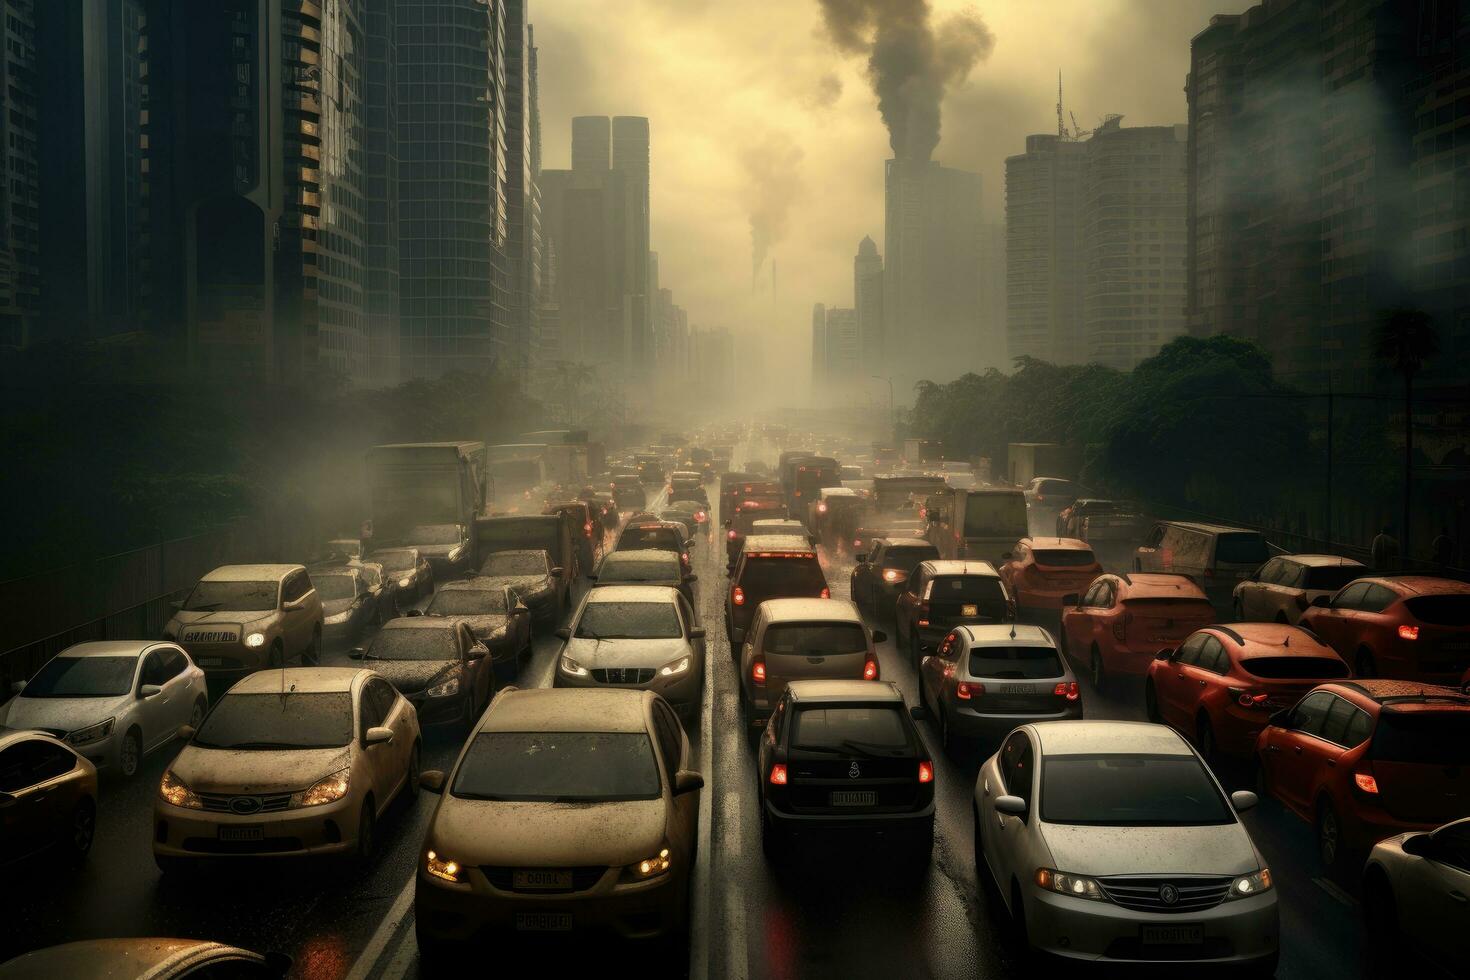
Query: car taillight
[1408,632]
[826,593]
[923,622]
[1068,690]
[1249,699]
[964,690]
[758,670]
[892,575]
[870,670]
[1365,782]
[701,517]
[821,508]
[926,771]
[778,775]
[587,527]
[737,596]
[857,542]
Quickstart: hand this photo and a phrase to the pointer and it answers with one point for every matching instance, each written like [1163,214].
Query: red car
[1041,572]
[1413,627]
[1122,621]
[1220,687]
[1368,759]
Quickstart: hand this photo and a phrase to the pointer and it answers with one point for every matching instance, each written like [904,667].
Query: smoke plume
[773,181]
[912,61]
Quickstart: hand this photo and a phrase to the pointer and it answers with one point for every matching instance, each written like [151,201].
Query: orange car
[1122,621]
[1412,627]
[1222,684]
[1369,759]
[1041,572]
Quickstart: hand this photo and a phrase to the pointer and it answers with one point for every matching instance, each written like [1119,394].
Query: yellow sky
[730,86]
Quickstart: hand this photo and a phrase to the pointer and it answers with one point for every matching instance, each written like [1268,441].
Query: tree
[1402,342]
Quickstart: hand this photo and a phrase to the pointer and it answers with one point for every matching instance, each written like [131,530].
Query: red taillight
[701,517]
[587,527]
[1249,699]
[821,508]
[857,542]
[870,670]
[964,690]
[778,775]
[923,622]
[946,643]
[730,535]
[1068,690]
[826,593]
[758,670]
[926,771]
[737,596]
[1365,782]
[1408,633]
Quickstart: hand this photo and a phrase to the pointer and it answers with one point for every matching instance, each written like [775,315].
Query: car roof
[776,542]
[959,566]
[562,709]
[142,957]
[1108,738]
[303,680]
[1412,585]
[1272,640]
[1057,544]
[1159,585]
[641,556]
[818,691]
[249,573]
[633,593]
[1007,635]
[1322,561]
[810,610]
[1211,528]
[1388,692]
[897,542]
[113,648]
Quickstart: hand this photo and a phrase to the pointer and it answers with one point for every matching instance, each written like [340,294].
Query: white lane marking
[1335,891]
[737,947]
[402,907]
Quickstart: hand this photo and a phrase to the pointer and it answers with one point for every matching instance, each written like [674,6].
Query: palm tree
[1403,341]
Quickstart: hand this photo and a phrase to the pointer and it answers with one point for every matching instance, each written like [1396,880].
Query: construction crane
[1076,132]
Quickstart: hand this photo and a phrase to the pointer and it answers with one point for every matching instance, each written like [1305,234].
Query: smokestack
[911,62]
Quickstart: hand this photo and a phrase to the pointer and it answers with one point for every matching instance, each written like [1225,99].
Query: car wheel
[81,831]
[414,768]
[1205,738]
[1329,836]
[130,754]
[1364,664]
[1151,703]
[362,852]
[773,839]
[277,656]
[313,654]
[1096,670]
[196,717]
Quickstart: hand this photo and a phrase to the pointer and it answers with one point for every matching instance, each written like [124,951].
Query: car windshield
[467,602]
[278,721]
[907,558]
[875,730]
[815,639]
[1065,558]
[511,564]
[1019,663]
[1241,548]
[1130,791]
[661,538]
[330,587]
[232,597]
[558,767]
[434,534]
[783,577]
[615,570]
[396,561]
[83,677]
[1330,578]
[1438,738]
[425,643]
[629,621]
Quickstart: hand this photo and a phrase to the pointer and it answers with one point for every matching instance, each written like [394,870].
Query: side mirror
[564,632]
[862,558]
[377,735]
[687,781]
[294,604]
[1012,806]
[1243,800]
[1164,654]
[356,653]
[17,687]
[149,691]
[432,780]
[879,636]
[1071,599]
[414,612]
[184,732]
[1322,601]
[697,633]
[556,572]
[918,712]
[1281,719]
[478,652]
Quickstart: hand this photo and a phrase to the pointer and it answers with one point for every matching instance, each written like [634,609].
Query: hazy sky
[755,113]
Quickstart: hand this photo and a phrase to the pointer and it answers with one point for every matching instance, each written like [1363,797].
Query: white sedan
[1112,842]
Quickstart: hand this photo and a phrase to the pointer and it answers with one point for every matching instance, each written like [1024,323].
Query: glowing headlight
[571,668]
[404,583]
[442,867]
[677,667]
[174,791]
[651,867]
[255,640]
[328,789]
[1067,884]
[94,733]
[1247,885]
[444,688]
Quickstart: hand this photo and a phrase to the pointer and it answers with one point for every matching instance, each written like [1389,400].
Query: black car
[694,495]
[495,614]
[647,566]
[881,574]
[437,664]
[533,577]
[656,533]
[774,566]
[843,756]
[409,570]
[941,595]
[352,599]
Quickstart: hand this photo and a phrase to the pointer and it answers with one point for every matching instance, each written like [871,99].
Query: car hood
[220,617]
[522,583]
[410,676]
[626,653]
[64,714]
[1101,851]
[548,834]
[485,626]
[247,771]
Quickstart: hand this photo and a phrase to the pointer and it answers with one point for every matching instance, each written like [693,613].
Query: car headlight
[444,688]
[1247,885]
[255,640]
[1069,884]
[93,733]
[651,867]
[679,666]
[175,791]
[404,583]
[328,789]
[571,668]
[442,867]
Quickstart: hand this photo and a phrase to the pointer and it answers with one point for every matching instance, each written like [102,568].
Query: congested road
[835,911]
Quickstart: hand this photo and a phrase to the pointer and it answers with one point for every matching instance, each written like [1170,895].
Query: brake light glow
[826,593]
[701,516]
[870,670]
[923,622]
[1249,699]
[1408,632]
[891,575]
[1365,782]
[857,542]
[737,596]
[821,508]
[758,670]
[964,690]
[1068,690]
[926,771]
[731,534]
[778,775]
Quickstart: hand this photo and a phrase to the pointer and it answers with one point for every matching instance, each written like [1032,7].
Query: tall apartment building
[630,153]
[523,202]
[867,295]
[1132,242]
[712,360]
[819,349]
[1044,281]
[380,191]
[20,273]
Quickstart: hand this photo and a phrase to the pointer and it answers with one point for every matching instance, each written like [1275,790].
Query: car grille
[211,845]
[227,803]
[622,675]
[504,879]
[1144,893]
[210,636]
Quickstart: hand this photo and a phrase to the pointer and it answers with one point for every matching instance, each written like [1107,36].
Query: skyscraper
[19,196]
[867,294]
[523,209]
[1044,282]
[380,191]
[591,143]
[630,153]
[819,350]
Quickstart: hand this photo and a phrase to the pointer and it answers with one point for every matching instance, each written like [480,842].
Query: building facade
[867,295]
[20,240]
[1044,281]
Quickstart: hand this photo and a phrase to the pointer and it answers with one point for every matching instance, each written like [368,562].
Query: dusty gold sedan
[566,810]
[144,959]
[289,763]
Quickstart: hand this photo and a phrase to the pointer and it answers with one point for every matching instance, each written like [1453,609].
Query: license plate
[1016,689]
[543,879]
[209,661]
[969,610]
[1184,935]
[544,921]
[845,797]
[1459,646]
[242,833]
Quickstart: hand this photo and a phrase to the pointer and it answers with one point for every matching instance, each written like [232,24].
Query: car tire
[1364,664]
[415,766]
[1151,703]
[1096,672]
[1329,837]
[196,717]
[130,753]
[80,831]
[1204,740]
[312,655]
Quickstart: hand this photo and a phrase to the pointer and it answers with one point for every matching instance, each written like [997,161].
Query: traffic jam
[703,698]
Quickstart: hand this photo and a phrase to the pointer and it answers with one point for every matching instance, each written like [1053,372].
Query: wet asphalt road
[843,911]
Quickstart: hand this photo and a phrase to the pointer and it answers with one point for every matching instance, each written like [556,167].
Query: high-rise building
[20,288]
[819,349]
[837,354]
[994,345]
[867,294]
[591,143]
[523,209]
[380,191]
[1044,281]
[630,152]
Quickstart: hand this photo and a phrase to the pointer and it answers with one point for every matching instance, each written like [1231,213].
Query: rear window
[984,591]
[1130,791]
[1440,610]
[613,570]
[1060,488]
[995,515]
[876,730]
[908,558]
[1332,577]
[1241,548]
[662,538]
[1294,668]
[815,639]
[1015,663]
[558,767]
[1437,738]
[1065,558]
[783,576]
[467,602]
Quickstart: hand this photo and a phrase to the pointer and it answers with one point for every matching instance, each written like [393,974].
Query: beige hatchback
[292,762]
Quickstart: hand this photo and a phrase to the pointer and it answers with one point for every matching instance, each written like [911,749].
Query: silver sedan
[1415,891]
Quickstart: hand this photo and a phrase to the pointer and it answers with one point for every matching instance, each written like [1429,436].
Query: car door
[1207,671]
[869,575]
[1100,617]
[479,673]
[1011,833]
[377,759]
[1433,893]
[1335,624]
[156,713]
[296,621]
[20,827]
[1377,632]
[1286,757]
[685,807]
[398,714]
[1172,684]
[1146,557]
[1255,600]
[905,606]
[179,689]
